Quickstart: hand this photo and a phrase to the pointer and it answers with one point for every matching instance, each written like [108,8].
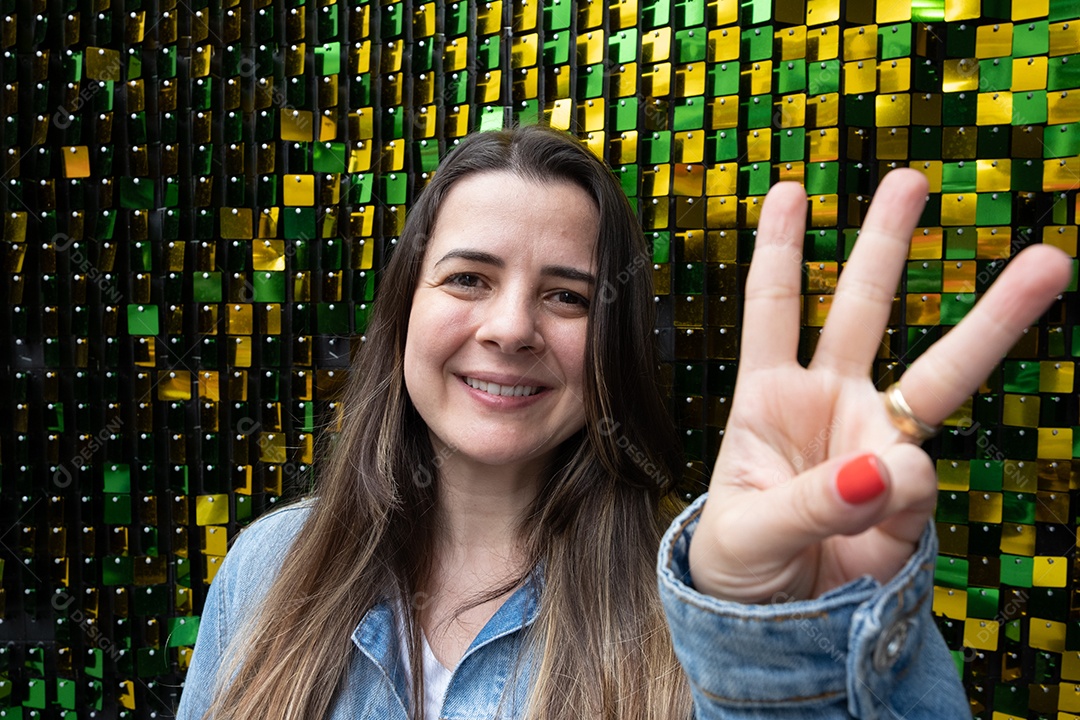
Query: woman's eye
[569,298]
[467,280]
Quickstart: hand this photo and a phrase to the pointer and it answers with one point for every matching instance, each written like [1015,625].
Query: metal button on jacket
[890,644]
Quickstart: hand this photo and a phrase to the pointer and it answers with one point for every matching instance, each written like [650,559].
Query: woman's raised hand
[814,486]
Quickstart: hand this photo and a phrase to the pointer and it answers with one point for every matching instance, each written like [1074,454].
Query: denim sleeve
[242,580]
[863,650]
[209,646]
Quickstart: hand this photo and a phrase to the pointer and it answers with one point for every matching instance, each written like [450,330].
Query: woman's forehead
[506,188]
[505,209]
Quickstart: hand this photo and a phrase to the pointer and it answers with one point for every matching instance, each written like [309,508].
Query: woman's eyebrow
[568,273]
[474,255]
[560,271]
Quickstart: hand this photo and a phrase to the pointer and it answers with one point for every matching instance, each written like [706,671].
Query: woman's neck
[477,550]
[480,508]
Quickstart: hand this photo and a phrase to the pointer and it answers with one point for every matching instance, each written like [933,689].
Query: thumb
[841,496]
[754,540]
[851,493]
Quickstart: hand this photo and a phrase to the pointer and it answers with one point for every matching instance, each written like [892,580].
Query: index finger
[953,367]
[773,294]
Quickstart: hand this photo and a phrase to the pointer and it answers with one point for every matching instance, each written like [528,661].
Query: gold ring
[904,419]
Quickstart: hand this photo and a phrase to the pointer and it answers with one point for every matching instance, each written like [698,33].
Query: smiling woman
[524,557]
[496,534]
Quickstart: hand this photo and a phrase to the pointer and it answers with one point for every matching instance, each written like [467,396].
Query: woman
[491,511]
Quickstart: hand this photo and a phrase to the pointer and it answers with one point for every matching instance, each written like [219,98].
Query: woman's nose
[509,321]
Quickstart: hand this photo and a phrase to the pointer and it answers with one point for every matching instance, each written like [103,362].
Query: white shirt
[436,676]
[436,680]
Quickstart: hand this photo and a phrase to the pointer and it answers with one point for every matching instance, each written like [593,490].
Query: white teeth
[496,389]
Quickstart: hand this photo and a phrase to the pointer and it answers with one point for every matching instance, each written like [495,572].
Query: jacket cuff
[848,647]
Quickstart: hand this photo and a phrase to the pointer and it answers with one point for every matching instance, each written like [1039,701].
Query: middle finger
[864,294]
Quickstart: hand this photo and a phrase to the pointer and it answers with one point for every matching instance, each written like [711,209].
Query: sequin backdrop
[197,199]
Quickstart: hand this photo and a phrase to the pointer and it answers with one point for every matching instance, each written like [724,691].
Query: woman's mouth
[504,390]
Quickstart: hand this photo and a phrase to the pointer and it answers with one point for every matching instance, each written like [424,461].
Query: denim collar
[376,635]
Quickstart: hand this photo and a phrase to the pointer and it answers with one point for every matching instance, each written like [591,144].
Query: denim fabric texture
[863,650]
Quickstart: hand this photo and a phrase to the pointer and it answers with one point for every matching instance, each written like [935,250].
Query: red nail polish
[859,480]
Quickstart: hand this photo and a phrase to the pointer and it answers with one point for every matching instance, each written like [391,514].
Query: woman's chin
[493,453]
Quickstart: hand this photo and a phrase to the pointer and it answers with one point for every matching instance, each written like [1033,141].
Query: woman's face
[496,341]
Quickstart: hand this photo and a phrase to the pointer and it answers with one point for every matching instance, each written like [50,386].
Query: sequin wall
[197,199]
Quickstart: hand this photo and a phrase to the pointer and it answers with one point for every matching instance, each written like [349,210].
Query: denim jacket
[863,650]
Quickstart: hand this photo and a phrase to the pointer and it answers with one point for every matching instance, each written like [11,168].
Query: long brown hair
[600,640]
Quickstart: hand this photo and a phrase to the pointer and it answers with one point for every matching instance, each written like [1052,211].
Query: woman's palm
[775,526]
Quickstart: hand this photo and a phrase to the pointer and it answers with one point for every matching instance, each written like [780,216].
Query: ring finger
[953,367]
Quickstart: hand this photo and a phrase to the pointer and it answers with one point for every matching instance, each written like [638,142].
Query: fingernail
[859,480]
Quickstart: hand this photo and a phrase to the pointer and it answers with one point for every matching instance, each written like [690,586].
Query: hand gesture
[815,485]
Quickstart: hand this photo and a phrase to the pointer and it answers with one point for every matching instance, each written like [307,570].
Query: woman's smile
[503,390]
